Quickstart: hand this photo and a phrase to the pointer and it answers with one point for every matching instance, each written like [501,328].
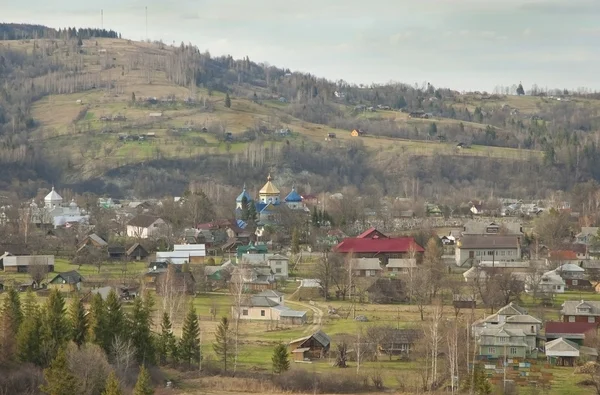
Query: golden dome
[269,188]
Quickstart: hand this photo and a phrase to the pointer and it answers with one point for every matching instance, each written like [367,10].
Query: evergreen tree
[280,359]
[113,387]
[79,322]
[189,344]
[98,331]
[481,385]
[315,217]
[520,90]
[140,333]
[223,342]
[143,386]
[28,339]
[133,97]
[227,101]
[295,241]
[432,129]
[10,320]
[167,343]
[116,323]
[245,209]
[55,327]
[252,215]
[59,379]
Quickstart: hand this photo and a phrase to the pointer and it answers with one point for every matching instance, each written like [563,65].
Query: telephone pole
[146,23]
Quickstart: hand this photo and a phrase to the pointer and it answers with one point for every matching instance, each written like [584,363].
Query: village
[527,308]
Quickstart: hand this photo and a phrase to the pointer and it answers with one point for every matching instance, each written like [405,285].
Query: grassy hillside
[70,125]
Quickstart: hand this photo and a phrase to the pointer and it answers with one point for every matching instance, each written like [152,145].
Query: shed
[315,346]
[136,252]
[562,352]
[116,252]
[293,317]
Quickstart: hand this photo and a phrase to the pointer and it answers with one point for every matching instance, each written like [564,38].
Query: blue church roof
[293,196]
[240,198]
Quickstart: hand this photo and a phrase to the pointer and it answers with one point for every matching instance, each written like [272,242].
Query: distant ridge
[20,31]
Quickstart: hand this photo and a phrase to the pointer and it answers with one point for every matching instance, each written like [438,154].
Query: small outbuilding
[315,346]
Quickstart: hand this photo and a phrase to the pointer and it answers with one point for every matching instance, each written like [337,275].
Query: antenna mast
[146,23]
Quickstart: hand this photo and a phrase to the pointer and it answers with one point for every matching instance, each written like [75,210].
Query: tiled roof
[142,221]
[391,245]
[496,241]
[569,307]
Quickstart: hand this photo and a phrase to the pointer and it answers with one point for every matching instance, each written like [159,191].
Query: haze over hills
[69,111]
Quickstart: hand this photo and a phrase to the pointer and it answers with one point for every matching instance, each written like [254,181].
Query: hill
[103,108]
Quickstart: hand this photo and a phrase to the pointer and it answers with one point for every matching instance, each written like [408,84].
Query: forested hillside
[73,107]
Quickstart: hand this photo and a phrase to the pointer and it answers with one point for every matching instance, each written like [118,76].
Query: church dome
[241,196]
[293,196]
[269,188]
[53,197]
[73,204]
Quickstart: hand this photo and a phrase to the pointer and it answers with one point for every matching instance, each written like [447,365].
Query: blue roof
[241,224]
[293,196]
[240,198]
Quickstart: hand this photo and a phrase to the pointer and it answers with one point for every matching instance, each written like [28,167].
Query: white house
[496,248]
[550,283]
[265,307]
[145,226]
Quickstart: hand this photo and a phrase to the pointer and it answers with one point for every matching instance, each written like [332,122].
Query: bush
[25,380]
[299,380]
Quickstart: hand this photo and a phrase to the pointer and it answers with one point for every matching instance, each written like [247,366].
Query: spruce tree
[55,327]
[78,321]
[59,378]
[140,332]
[113,387]
[245,212]
[227,101]
[189,344]
[30,304]
[280,359]
[143,386]
[10,320]
[98,331]
[223,342]
[116,323]
[295,241]
[167,343]
[29,338]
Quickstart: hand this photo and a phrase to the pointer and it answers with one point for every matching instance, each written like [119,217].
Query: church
[269,200]
[55,213]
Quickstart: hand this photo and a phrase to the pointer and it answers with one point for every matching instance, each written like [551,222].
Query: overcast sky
[461,44]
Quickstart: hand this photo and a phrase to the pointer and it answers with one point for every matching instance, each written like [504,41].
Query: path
[317,316]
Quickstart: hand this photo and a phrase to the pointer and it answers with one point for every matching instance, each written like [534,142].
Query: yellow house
[66,282]
[357,132]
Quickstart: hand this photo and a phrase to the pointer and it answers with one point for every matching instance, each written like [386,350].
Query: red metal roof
[388,245]
[569,327]
[564,255]
[371,233]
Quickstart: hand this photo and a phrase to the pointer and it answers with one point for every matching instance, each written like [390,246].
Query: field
[73,125]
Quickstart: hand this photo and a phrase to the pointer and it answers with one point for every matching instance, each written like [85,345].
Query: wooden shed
[315,346]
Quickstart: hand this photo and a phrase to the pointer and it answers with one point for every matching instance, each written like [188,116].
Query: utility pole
[146,23]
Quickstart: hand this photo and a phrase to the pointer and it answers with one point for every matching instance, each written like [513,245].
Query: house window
[591,319]
[278,270]
[503,253]
[491,350]
[513,350]
[571,318]
[574,282]
[262,313]
[490,253]
[504,339]
[245,312]
[478,253]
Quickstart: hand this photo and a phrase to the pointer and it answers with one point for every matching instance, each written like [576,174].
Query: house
[278,264]
[563,352]
[218,273]
[252,248]
[477,208]
[377,245]
[550,283]
[366,267]
[174,257]
[567,255]
[116,252]
[572,331]
[196,252]
[268,306]
[580,311]
[253,278]
[145,226]
[492,228]
[587,235]
[66,282]
[397,265]
[398,341]
[499,317]
[499,342]
[473,249]
[21,263]
[136,252]
[574,277]
[315,346]
[93,240]
[357,132]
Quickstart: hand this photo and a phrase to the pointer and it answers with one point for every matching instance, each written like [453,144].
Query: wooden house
[116,252]
[136,252]
[315,346]
[66,282]
[398,341]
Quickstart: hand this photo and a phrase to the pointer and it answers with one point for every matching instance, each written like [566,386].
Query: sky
[458,44]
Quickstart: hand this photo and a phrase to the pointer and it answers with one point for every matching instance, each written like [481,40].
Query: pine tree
[59,379]
[30,304]
[98,331]
[167,343]
[55,327]
[251,212]
[520,90]
[78,321]
[295,241]
[315,217]
[140,332]
[113,387]
[28,338]
[245,209]
[143,386]
[189,344]
[10,320]
[227,101]
[116,323]
[223,342]
[280,359]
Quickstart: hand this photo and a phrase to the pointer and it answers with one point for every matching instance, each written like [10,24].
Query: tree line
[18,31]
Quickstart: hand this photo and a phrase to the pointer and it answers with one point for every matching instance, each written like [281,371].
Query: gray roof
[494,242]
[569,307]
[480,227]
[523,319]
[512,309]
[142,221]
[292,314]
[366,264]
[402,263]
[99,240]
[260,301]
[588,231]
[70,277]
[319,336]
[270,294]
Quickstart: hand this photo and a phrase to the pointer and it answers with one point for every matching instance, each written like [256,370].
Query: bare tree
[452,352]
[123,358]
[435,336]
[89,364]
[173,292]
[236,288]
[38,269]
